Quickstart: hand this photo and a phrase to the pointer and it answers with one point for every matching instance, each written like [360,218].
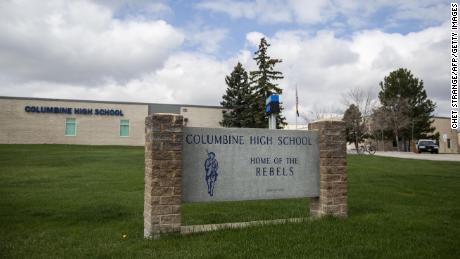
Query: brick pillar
[333,196]
[163,168]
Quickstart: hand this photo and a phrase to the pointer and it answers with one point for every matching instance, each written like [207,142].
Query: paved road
[423,156]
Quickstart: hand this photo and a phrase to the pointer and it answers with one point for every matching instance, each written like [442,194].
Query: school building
[62,121]
[448,140]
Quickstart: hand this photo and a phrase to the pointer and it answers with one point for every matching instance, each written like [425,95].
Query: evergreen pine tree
[263,85]
[237,100]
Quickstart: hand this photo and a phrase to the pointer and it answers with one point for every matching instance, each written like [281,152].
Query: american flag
[296,102]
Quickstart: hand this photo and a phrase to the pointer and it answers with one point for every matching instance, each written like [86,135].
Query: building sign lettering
[79,111]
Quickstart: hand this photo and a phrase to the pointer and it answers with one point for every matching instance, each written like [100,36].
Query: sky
[181,51]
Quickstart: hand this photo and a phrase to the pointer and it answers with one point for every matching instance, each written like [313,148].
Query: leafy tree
[237,99]
[403,93]
[355,128]
[263,85]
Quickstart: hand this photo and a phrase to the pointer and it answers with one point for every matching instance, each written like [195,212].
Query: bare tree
[396,116]
[321,113]
[365,103]
[378,124]
[363,99]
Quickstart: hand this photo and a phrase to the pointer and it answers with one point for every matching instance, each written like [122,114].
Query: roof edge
[113,102]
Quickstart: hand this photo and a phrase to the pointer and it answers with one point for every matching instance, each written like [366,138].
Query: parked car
[427,145]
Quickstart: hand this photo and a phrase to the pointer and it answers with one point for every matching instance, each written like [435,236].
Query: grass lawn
[59,201]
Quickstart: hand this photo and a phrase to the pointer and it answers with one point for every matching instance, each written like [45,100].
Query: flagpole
[296,106]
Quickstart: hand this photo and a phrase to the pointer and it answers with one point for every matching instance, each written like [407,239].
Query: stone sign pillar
[163,168]
[333,196]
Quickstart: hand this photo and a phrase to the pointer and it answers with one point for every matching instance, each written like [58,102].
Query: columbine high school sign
[249,164]
[205,164]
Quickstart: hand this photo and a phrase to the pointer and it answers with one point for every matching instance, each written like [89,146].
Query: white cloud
[207,40]
[356,14]
[158,8]
[194,78]
[424,12]
[75,41]
[272,11]
[264,11]
[254,37]
[191,78]
[155,8]
[235,9]
[311,11]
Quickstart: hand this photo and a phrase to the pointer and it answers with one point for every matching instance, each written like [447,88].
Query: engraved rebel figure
[211,165]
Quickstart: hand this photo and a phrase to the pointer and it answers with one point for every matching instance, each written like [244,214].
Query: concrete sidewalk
[422,156]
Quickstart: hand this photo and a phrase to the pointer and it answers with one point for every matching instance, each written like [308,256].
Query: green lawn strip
[241,211]
[59,201]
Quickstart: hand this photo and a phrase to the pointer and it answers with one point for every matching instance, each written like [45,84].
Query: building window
[70,127]
[124,128]
[448,143]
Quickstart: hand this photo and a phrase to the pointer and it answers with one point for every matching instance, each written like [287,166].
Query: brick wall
[163,168]
[333,170]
